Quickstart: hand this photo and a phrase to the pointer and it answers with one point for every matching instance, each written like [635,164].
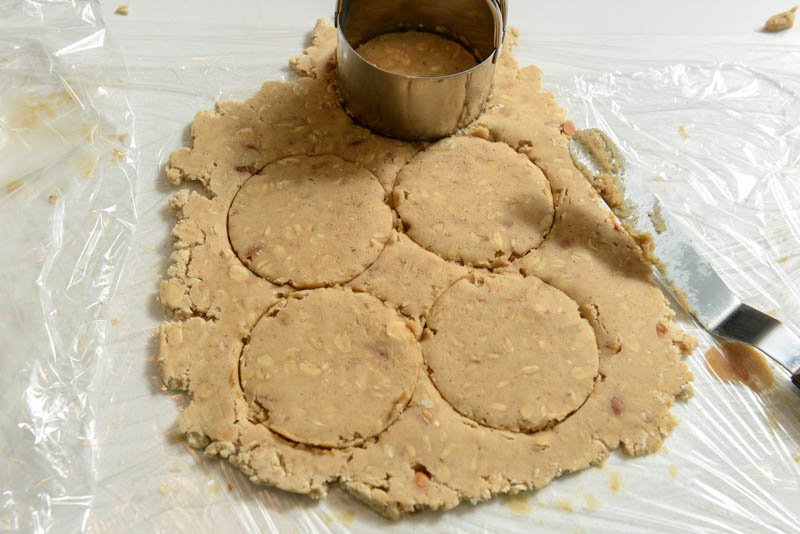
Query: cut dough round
[510,352]
[309,221]
[330,367]
[415,53]
[474,201]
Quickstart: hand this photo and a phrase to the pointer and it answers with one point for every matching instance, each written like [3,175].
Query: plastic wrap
[68,218]
[710,124]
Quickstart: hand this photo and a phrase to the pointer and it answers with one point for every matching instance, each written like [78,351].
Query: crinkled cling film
[67,184]
[88,437]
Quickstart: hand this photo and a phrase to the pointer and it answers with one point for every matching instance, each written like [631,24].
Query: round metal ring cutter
[414,107]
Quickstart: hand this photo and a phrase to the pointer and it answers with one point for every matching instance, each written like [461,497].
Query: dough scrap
[330,368]
[408,277]
[510,352]
[309,221]
[474,201]
[431,456]
[780,21]
[414,53]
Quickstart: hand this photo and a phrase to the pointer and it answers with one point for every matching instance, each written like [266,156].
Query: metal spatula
[690,278]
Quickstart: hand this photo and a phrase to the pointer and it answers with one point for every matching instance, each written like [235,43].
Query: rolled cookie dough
[430,456]
[474,201]
[330,367]
[309,221]
[414,53]
[510,352]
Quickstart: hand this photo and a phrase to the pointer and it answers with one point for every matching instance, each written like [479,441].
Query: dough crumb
[592,503]
[121,10]
[657,218]
[519,504]
[780,21]
[13,185]
[673,471]
[87,164]
[346,517]
[615,482]
[213,487]
[565,505]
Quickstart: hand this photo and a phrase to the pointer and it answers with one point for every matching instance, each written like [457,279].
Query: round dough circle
[330,368]
[510,352]
[309,221]
[474,201]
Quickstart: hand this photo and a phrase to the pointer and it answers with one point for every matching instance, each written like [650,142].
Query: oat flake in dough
[430,456]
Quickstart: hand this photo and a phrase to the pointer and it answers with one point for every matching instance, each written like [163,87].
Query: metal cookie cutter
[413,107]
